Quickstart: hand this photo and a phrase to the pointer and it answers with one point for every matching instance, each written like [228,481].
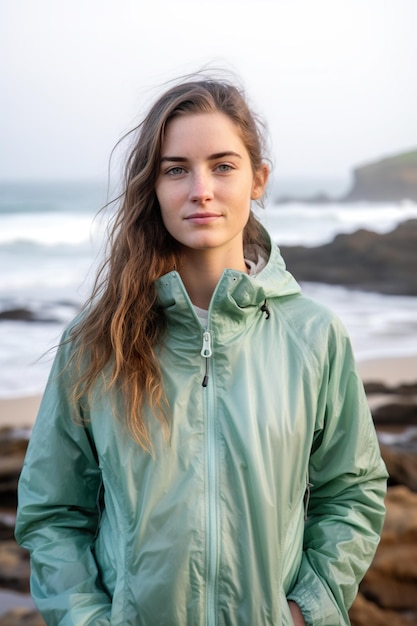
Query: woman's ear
[259,182]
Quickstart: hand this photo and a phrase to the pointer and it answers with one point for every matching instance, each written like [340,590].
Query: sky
[335,80]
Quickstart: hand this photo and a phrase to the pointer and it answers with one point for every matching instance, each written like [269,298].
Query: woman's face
[206,183]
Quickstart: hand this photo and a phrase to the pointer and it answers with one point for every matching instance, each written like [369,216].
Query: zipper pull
[206,352]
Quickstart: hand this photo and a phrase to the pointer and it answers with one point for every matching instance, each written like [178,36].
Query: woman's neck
[201,274]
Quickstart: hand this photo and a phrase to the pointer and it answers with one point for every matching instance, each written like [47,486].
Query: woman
[203,453]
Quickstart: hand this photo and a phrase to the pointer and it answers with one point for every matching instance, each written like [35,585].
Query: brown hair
[122,322]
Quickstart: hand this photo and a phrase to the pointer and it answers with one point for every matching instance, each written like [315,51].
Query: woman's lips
[203,218]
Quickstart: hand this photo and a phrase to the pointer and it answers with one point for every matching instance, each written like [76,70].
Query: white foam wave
[311,225]
[406,439]
[50,229]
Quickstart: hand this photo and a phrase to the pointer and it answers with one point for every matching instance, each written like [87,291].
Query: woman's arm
[58,511]
[346,509]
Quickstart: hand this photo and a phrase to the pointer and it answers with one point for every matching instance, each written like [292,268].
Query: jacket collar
[236,292]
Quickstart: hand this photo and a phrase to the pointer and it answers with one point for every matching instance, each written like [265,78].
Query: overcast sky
[336,80]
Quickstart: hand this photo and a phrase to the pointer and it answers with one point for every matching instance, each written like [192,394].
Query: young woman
[204,453]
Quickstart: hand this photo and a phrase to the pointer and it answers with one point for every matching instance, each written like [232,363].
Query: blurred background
[335,82]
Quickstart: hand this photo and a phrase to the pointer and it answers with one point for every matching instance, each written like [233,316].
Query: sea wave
[50,230]
[312,225]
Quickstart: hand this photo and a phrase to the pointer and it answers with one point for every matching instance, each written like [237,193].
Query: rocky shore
[387,594]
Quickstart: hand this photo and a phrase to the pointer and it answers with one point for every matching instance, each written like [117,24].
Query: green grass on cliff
[391,163]
[405,158]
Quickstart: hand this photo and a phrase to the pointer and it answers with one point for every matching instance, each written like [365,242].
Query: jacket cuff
[316,604]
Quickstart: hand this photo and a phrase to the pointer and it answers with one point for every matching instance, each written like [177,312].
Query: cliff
[390,179]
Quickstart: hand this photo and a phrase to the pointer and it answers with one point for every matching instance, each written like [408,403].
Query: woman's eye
[224,167]
[175,171]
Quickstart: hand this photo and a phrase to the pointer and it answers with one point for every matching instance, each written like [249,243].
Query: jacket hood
[274,278]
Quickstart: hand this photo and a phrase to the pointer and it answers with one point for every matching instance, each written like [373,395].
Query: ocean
[51,241]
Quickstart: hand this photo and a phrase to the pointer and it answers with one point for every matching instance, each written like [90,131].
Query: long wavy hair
[122,323]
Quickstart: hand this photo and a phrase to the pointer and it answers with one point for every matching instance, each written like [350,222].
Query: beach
[391,371]
[20,412]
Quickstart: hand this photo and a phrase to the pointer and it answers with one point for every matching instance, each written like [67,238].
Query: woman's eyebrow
[220,155]
[211,157]
[177,159]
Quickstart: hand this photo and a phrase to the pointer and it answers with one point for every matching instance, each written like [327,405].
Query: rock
[21,314]
[401,466]
[364,260]
[374,387]
[366,613]
[401,518]
[13,446]
[404,389]
[22,617]
[399,413]
[18,314]
[13,441]
[391,582]
[384,584]
[14,566]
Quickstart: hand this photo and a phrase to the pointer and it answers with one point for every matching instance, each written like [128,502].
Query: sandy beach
[21,412]
[391,371]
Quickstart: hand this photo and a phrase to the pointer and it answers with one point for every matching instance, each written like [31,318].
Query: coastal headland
[389,179]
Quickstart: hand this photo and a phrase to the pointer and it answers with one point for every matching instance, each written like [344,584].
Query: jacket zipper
[206,352]
[212,539]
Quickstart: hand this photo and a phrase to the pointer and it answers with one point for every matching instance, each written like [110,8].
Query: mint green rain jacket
[270,488]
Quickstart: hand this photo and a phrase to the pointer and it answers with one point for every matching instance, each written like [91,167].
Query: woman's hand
[297,616]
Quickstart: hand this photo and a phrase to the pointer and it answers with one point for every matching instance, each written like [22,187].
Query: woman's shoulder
[304,309]
[312,323]
[70,332]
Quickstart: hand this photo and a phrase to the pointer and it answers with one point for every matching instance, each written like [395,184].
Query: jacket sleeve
[58,511]
[348,485]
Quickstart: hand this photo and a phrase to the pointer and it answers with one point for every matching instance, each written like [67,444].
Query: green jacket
[271,486]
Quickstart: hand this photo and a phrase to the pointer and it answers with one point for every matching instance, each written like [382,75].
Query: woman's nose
[201,188]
